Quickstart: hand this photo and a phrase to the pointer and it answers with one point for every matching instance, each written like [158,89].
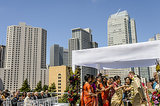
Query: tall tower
[2,55]
[121,29]
[25,56]
[81,39]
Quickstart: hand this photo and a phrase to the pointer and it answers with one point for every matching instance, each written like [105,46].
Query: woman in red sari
[86,98]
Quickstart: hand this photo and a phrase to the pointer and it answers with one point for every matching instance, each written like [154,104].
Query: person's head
[128,80]
[42,93]
[105,79]
[25,94]
[111,80]
[131,74]
[46,91]
[155,75]
[87,78]
[36,93]
[117,79]
[99,79]
[29,94]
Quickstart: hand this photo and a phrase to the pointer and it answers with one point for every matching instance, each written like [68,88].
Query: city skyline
[94,15]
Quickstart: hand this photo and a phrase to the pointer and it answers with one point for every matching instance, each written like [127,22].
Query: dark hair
[132,72]
[151,80]
[86,77]
[92,77]
[129,79]
[116,77]
[112,78]
[104,83]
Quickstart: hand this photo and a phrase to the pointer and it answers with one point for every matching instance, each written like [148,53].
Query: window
[59,90]
[59,83]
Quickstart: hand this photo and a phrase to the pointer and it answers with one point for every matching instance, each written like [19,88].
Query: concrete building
[25,56]
[65,57]
[2,55]
[121,29]
[81,39]
[58,56]
[156,37]
[60,76]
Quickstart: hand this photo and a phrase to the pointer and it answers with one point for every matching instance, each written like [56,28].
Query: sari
[86,99]
[117,97]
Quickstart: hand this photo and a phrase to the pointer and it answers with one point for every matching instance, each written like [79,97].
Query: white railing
[39,102]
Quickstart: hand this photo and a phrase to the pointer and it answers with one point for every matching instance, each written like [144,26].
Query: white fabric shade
[119,56]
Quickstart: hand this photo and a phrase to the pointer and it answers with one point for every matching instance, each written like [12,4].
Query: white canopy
[119,56]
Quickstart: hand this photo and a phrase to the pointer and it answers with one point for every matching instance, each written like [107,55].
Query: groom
[139,96]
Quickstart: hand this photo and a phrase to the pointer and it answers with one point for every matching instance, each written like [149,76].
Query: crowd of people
[103,91]
[25,97]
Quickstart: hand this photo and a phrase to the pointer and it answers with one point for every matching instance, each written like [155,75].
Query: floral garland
[74,86]
[155,100]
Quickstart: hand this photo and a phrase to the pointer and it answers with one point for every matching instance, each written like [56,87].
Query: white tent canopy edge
[119,56]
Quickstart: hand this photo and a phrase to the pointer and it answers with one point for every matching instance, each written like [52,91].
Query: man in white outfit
[27,100]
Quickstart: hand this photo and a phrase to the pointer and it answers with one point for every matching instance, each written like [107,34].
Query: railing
[39,102]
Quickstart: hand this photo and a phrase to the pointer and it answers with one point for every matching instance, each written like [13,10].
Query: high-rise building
[25,56]
[65,57]
[61,78]
[144,72]
[58,56]
[121,30]
[2,55]
[81,39]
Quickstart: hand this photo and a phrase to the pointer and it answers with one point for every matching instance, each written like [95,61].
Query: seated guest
[42,95]
[27,101]
[36,96]
[15,99]
[47,94]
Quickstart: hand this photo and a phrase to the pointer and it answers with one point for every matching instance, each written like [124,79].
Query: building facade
[25,56]
[121,29]
[2,55]
[81,39]
[58,56]
[60,76]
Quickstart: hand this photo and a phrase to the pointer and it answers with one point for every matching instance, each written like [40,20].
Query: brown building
[60,76]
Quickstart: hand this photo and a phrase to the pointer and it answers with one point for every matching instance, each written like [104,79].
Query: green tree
[45,87]
[52,88]
[25,86]
[39,87]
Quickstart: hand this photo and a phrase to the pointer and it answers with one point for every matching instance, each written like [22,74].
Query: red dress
[104,95]
[86,98]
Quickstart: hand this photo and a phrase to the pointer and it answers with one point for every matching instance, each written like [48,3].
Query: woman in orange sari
[105,92]
[86,98]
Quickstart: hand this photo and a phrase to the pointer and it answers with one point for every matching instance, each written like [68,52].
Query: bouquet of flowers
[155,100]
[74,87]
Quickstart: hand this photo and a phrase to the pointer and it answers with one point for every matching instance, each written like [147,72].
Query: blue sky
[58,17]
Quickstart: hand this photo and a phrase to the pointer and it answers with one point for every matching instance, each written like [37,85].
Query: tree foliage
[39,87]
[25,86]
[45,87]
[52,88]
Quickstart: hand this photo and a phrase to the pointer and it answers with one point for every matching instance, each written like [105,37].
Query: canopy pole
[98,69]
